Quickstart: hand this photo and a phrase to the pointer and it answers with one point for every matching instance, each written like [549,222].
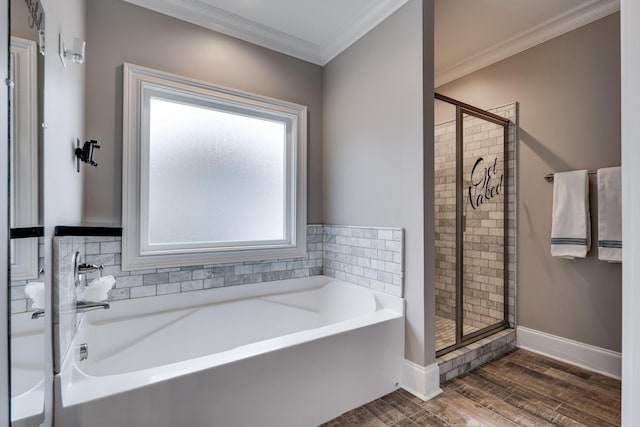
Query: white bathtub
[27,370]
[290,353]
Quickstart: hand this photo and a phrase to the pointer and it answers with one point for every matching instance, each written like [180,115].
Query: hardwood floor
[519,389]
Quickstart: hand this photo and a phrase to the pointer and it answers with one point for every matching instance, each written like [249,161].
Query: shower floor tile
[446,332]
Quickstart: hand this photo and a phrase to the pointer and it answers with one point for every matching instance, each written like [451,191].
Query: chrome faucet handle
[89,268]
[86,306]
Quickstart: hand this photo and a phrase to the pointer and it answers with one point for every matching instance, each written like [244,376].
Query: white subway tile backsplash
[110,247]
[155,278]
[216,282]
[366,256]
[193,285]
[92,248]
[117,294]
[129,281]
[142,291]
[168,288]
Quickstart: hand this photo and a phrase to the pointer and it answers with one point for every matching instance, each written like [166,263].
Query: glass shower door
[470,183]
[483,224]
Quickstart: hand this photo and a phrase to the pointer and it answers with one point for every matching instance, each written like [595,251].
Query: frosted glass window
[210,174]
[214,176]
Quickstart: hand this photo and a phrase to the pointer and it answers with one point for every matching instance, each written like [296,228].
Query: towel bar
[549,177]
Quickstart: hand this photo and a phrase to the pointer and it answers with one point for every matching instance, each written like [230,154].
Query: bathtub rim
[137,306]
[78,387]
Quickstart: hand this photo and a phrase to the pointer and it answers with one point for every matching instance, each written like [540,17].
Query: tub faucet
[86,306]
[89,268]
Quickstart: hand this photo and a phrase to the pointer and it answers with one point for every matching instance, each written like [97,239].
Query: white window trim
[136,81]
[24,156]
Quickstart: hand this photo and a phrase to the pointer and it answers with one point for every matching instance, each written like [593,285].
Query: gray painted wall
[569,94]
[373,147]
[119,32]
[64,115]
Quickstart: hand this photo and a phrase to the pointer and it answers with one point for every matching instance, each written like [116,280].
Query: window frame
[139,84]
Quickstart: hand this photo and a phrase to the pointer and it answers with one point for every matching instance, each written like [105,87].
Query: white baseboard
[586,356]
[421,381]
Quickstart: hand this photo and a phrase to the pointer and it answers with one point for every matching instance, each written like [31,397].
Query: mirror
[26,71]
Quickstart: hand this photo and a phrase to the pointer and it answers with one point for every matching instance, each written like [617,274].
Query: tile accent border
[464,359]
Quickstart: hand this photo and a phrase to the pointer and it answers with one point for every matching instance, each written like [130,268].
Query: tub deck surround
[27,369]
[348,361]
[301,351]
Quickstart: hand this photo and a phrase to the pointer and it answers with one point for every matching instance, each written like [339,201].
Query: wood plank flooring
[519,389]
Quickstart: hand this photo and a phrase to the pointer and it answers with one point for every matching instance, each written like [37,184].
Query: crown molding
[205,15]
[554,27]
[375,16]
[208,16]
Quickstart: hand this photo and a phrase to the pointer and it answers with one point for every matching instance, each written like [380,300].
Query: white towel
[35,291]
[610,214]
[97,290]
[571,222]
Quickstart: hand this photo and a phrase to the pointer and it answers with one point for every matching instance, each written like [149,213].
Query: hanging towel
[571,222]
[97,290]
[610,214]
[35,291]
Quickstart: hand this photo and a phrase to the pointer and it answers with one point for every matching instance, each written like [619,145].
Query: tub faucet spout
[86,306]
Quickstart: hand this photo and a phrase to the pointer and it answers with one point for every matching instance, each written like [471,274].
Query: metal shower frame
[461,339]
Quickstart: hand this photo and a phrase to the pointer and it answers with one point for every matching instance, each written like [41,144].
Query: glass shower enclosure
[471,201]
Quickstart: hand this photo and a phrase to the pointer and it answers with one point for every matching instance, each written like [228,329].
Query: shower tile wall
[19,301]
[483,239]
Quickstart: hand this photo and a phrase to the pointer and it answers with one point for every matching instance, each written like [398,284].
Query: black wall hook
[85,153]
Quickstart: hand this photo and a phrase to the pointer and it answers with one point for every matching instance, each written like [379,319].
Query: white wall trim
[23,203]
[577,17]
[201,13]
[4,219]
[421,381]
[630,57]
[587,356]
[139,84]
